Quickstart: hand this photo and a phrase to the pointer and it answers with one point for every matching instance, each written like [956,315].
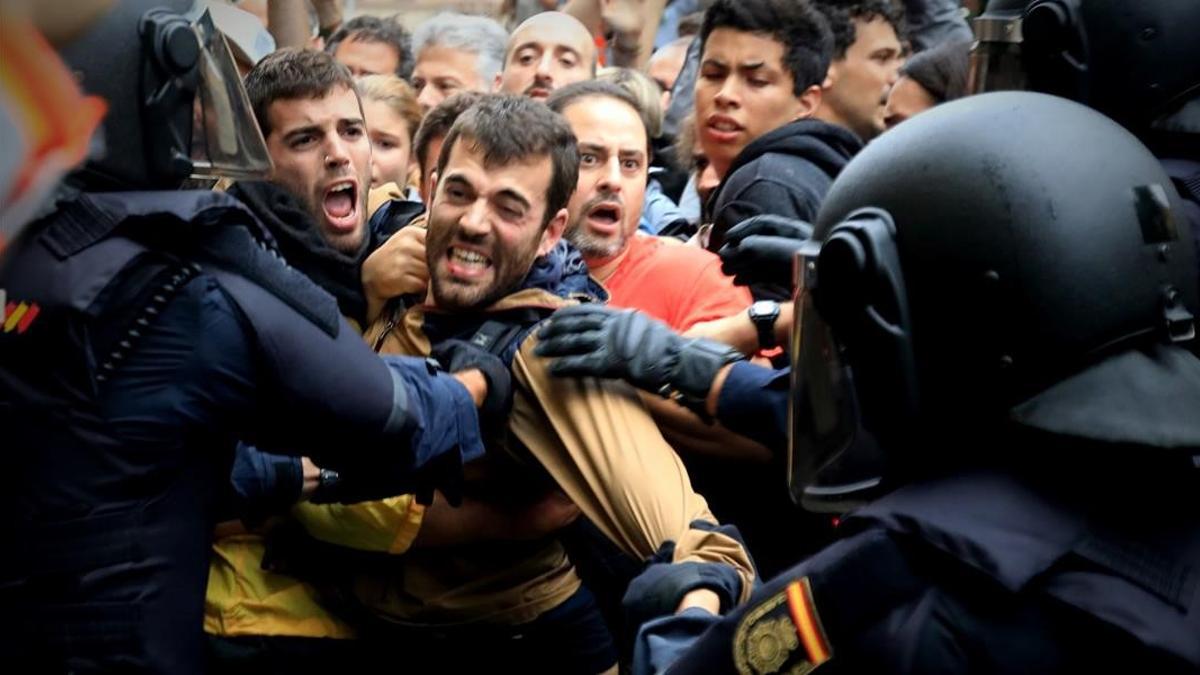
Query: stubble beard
[507,274]
[592,246]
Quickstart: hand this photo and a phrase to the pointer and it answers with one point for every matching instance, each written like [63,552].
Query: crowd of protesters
[446,185]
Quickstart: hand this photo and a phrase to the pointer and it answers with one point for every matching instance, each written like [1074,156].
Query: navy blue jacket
[166,330]
[979,572]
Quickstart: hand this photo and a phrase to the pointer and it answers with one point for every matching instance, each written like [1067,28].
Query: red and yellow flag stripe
[808,624]
[18,316]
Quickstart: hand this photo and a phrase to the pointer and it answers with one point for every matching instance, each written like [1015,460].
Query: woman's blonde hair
[644,89]
[396,94]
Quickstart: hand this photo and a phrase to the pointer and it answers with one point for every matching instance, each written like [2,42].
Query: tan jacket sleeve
[600,444]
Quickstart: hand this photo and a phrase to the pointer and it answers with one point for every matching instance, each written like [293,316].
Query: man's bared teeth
[468,256]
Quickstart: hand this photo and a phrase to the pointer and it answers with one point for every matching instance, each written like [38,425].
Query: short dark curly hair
[507,128]
[437,122]
[293,74]
[375,29]
[795,24]
[843,13]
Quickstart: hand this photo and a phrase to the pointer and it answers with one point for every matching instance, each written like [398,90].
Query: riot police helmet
[176,105]
[965,266]
[1133,61]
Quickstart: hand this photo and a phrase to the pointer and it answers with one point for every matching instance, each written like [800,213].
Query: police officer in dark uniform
[1136,62]
[992,379]
[148,326]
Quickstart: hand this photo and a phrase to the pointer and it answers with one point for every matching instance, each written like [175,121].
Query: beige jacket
[600,445]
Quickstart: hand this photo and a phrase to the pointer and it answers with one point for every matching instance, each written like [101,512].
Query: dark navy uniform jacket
[988,571]
[158,329]
[754,403]
[981,572]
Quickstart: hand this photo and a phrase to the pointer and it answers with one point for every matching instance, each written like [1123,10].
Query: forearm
[287,21]
[686,432]
[475,384]
[753,401]
[587,11]
[739,332]
[329,15]
[652,12]
[311,474]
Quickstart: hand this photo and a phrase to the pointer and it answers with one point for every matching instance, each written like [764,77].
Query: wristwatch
[763,314]
[328,482]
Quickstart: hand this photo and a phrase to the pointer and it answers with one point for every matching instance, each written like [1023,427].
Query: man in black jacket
[761,70]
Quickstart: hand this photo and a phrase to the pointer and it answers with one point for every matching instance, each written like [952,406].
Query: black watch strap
[764,322]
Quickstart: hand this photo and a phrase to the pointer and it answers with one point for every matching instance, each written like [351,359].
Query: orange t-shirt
[679,285]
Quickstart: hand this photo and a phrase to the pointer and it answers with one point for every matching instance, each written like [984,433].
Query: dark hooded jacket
[785,172]
[305,249]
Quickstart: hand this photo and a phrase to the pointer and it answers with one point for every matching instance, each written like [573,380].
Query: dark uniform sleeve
[333,399]
[754,403]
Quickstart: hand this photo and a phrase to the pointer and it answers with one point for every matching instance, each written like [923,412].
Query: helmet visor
[833,464]
[226,140]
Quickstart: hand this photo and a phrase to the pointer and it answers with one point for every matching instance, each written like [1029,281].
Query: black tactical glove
[760,250]
[598,341]
[459,355]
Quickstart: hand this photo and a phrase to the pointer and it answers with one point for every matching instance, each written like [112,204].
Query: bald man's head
[665,64]
[547,51]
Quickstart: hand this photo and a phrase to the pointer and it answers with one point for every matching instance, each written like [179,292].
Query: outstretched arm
[600,445]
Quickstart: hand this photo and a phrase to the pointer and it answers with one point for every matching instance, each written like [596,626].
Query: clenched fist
[396,268]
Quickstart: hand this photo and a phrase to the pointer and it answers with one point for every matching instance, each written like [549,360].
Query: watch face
[763,308]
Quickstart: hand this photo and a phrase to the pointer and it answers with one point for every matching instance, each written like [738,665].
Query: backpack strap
[503,333]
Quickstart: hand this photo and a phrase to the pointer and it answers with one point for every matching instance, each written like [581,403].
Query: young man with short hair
[396,271]
[759,86]
[312,119]
[308,109]
[505,175]
[867,55]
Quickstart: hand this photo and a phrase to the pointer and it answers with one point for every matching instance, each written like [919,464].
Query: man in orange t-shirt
[680,285]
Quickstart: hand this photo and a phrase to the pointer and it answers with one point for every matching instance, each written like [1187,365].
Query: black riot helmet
[968,268]
[1133,60]
[176,106]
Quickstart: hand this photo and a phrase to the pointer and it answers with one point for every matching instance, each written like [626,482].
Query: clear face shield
[226,140]
[835,462]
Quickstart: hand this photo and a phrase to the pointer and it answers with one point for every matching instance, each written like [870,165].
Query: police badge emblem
[768,638]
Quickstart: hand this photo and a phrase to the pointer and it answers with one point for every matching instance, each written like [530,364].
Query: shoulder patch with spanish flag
[782,634]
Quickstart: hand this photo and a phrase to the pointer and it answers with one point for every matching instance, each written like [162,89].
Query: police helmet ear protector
[853,297]
[860,293]
[1133,61]
[176,105]
[170,79]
